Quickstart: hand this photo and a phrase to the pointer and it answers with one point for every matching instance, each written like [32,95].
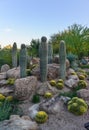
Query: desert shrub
[41,117]
[77,106]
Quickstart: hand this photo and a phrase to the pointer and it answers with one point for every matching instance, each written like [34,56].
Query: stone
[3,76]
[17,123]
[14,73]
[33,111]
[69,71]
[5,68]
[3,83]
[6,91]
[75,77]
[25,88]
[35,60]
[71,83]
[83,93]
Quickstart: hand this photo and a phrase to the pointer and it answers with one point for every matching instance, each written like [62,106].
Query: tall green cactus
[62,60]
[50,53]
[43,54]
[14,55]
[23,61]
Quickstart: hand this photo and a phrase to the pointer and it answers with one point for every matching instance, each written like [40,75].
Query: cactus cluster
[81,77]
[82,84]
[23,61]
[52,83]
[43,54]
[41,117]
[14,55]
[48,95]
[59,84]
[62,60]
[77,106]
[3,98]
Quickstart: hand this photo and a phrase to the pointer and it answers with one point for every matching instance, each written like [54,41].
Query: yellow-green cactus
[60,81]
[41,117]
[81,77]
[60,85]
[77,106]
[53,82]
[2,97]
[48,95]
[82,84]
[9,98]
[11,81]
[73,73]
[84,74]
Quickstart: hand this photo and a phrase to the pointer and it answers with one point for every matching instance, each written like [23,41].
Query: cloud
[7,30]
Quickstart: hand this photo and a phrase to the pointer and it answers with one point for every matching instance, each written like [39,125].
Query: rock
[25,88]
[13,73]
[69,71]
[35,60]
[33,111]
[3,82]
[2,75]
[75,77]
[53,71]
[52,106]
[46,87]
[67,63]
[71,83]
[83,93]
[6,91]
[17,123]
[5,68]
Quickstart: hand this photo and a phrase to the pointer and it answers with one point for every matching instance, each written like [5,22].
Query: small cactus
[23,61]
[41,117]
[14,55]
[62,60]
[50,53]
[9,98]
[48,95]
[60,85]
[60,81]
[43,54]
[2,97]
[53,82]
[81,77]
[82,84]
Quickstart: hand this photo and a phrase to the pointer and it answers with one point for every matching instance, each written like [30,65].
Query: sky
[24,20]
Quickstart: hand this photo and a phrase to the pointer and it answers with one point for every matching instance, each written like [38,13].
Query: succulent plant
[81,77]
[2,97]
[48,95]
[41,117]
[11,81]
[53,82]
[9,98]
[50,53]
[36,98]
[60,81]
[23,61]
[82,84]
[43,54]
[77,106]
[60,85]
[14,55]
[73,73]
[62,60]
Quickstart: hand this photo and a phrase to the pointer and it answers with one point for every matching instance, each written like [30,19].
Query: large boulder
[17,123]
[3,76]
[53,71]
[5,68]
[71,83]
[25,88]
[83,93]
[13,73]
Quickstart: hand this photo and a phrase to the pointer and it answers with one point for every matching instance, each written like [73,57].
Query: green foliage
[77,106]
[41,117]
[36,98]
[68,94]
[84,66]
[71,57]
[50,53]
[11,81]
[28,72]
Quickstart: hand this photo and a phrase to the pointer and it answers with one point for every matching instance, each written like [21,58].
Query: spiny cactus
[14,55]
[23,61]
[50,53]
[43,54]
[62,60]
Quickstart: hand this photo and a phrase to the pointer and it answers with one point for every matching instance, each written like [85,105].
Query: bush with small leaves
[41,117]
[60,85]
[48,95]
[77,106]
[53,82]
[82,84]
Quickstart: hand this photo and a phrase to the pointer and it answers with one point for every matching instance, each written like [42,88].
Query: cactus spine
[14,55]
[62,60]
[23,61]
[50,53]
[43,54]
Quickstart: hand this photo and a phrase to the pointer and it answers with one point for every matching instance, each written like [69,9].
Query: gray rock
[3,76]
[3,82]
[33,111]
[83,93]
[25,88]
[14,73]
[71,83]
[5,68]
[6,90]
[17,123]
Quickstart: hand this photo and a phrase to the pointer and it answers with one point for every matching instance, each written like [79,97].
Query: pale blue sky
[22,20]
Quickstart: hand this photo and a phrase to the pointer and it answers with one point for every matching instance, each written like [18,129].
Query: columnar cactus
[23,61]
[43,54]
[50,53]
[62,60]
[14,55]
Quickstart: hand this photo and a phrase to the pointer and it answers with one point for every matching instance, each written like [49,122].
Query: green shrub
[36,98]
[77,106]
[41,117]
